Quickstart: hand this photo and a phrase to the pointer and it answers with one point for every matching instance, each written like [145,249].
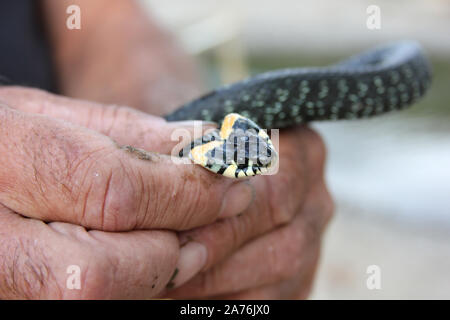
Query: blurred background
[390,176]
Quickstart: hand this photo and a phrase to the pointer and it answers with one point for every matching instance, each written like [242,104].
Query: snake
[383,79]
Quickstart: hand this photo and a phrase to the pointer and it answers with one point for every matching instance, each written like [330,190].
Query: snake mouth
[240,149]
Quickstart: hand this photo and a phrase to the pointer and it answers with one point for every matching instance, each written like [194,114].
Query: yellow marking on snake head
[230,171]
[227,125]
[236,138]
[198,153]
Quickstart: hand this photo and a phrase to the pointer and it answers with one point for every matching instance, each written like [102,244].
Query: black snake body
[383,79]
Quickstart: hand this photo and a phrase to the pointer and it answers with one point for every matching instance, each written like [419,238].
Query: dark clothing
[24,53]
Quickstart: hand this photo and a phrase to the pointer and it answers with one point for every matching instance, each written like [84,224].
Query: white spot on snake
[404,97]
[369,101]
[377,81]
[295,110]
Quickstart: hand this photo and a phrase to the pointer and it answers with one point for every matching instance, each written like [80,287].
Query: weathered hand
[271,250]
[73,177]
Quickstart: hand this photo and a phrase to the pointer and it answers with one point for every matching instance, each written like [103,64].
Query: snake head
[239,149]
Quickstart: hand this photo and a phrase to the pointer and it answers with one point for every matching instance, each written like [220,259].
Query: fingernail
[237,198]
[191,261]
[185,237]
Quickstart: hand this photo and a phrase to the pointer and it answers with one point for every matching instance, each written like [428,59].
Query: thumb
[37,257]
[57,171]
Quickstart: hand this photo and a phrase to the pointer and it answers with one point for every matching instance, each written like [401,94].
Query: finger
[298,288]
[124,125]
[60,260]
[287,252]
[56,171]
[318,209]
[308,197]
[192,259]
[302,159]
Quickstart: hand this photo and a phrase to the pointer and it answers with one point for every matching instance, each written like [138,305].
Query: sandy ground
[414,258]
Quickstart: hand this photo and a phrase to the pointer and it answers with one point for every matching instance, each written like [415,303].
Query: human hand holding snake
[377,82]
[71,195]
[381,80]
[271,250]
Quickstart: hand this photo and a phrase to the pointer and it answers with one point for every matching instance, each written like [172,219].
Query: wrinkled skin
[77,179]
[257,239]
[271,250]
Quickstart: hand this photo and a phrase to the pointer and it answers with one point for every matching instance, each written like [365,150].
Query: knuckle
[288,193]
[117,119]
[280,217]
[319,208]
[166,201]
[296,245]
[285,259]
[316,153]
[120,198]
[99,276]
[192,201]
[196,200]
[25,98]
[316,145]
[239,229]
[108,192]
[328,206]
[284,199]
[112,115]
[309,155]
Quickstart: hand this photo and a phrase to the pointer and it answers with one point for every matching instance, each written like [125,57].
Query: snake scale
[383,79]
